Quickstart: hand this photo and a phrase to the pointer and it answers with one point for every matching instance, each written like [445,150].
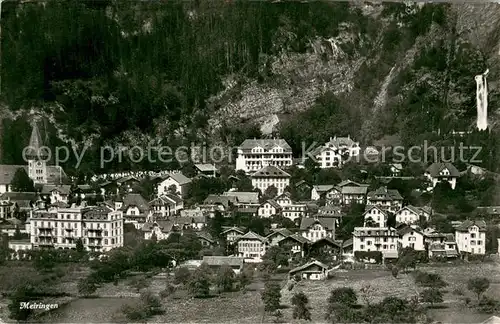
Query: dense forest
[133,72]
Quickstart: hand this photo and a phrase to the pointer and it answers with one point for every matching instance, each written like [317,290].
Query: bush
[488,305]
[478,285]
[458,292]
[431,280]
[365,255]
[182,275]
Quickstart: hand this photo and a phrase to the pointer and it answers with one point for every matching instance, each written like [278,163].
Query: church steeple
[37,166]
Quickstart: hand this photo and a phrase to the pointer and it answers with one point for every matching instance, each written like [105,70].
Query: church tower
[37,160]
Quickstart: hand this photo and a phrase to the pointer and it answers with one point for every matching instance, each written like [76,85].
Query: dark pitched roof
[354,190]
[322,188]
[272,202]
[308,265]
[35,142]
[221,260]
[383,193]
[233,228]
[244,197]
[327,240]
[63,189]
[205,236]
[349,183]
[164,225]
[133,199]
[435,168]
[266,144]
[464,227]
[205,167]
[270,171]
[178,177]
[219,199]
[283,231]
[295,237]
[327,222]
[252,236]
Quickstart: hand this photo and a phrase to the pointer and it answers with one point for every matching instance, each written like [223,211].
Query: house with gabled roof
[161,229]
[471,237]
[442,171]
[411,236]
[296,243]
[206,169]
[255,154]
[232,233]
[325,246]
[127,183]
[135,209]
[277,234]
[411,214]
[174,180]
[55,192]
[166,205]
[270,176]
[383,239]
[375,216]
[352,194]
[269,208]
[336,151]
[319,191]
[317,228]
[289,208]
[252,246]
[215,262]
[387,199]
[206,240]
[246,198]
[313,270]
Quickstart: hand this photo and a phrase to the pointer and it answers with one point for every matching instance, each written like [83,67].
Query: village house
[127,183]
[471,237]
[20,247]
[290,209]
[270,176]
[383,239]
[313,270]
[295,243]
[331,211]
[277,234]
[441,246]
[252,247]
[318,192]
[206,240]
[375,216]
[232,234]
[411,214]
[387,199]
[442,171]
[175,183]
[166,205]
[325,246]
[256,154]
[413,237]
[55,193]
[336,151]
[219,203]
[100,227]
[161,229]
[206,170]
[353,194]
[244,198]
[7,209]
[317,228]
[269,208]
[215,262]
[23,201]
[396,169]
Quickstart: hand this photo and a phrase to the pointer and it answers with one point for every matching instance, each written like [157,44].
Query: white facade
[370,239]
[336,151]
[318,231]
[254,155]
[471,241]
[291,209]
[252,246]
[277,178]
[410,215]
[100,228]
[413,239]
[163,187]
[267,210]
[377,215]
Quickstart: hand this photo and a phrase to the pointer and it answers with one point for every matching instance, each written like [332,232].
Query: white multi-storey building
[375,215]
[270,176]
[413,237]
[317,228]
[99,227]
[471,237]
[411,214]
[387,199]
[440,171]
[252,246]
[336,151]
[255,154]
[369,239]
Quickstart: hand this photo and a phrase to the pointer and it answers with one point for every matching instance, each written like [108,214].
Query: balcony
[46,244]
[69,229]
[94,229]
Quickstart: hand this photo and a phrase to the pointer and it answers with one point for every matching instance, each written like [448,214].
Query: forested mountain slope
[218,71]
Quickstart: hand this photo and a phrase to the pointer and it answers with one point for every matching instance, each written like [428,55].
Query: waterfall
[482,101]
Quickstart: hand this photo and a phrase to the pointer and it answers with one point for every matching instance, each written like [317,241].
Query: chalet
[245,198]
[255,154]
[161,229]
[269,208]
[232,233]
[333,196]
[135,209]
[330,211]
[277,234]
[294,242]
[375,216]
[325,246]
[55,192]
[219,203]
[353,194]
[413,237]
[205,239]
[442,171]
[411,214]
[319,191]
[396,169]
[176,183]
[471,237]
[246,211]
[303,185]
[207,170]
[314,270]
[270,176]
[127,183]
[166,205]
[317,228]
[442,246]
[290,209]
[215,262]
[383,239]
[252,246]
[387,199]
[336,151]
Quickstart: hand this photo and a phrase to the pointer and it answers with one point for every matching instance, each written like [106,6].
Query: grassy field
[382,284]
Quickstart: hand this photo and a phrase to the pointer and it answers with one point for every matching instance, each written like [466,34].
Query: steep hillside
[218,71]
